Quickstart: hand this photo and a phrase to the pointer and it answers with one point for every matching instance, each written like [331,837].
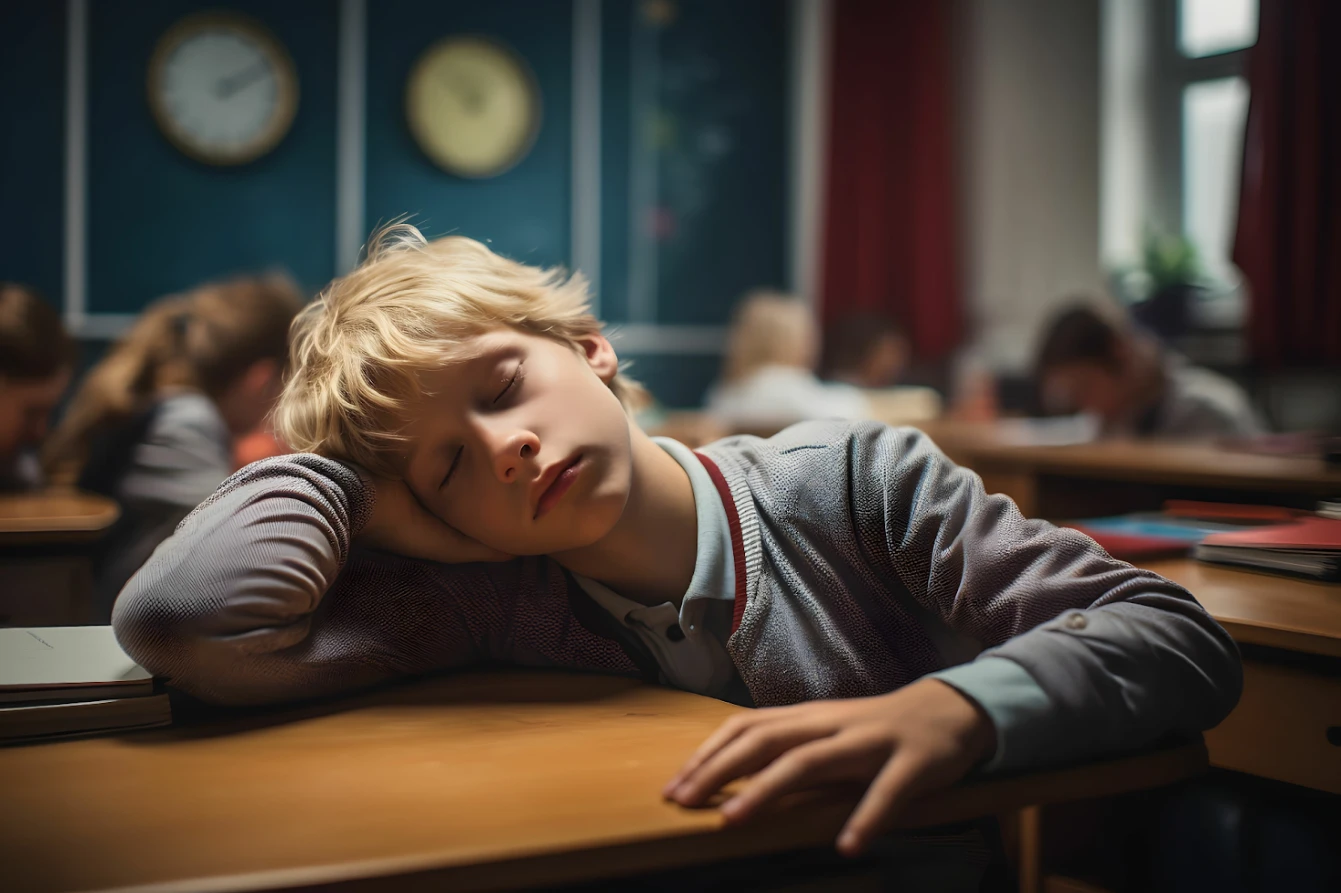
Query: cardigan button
[674,633]
[1076,621]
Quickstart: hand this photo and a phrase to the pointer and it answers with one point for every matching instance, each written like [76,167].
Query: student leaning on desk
[459,407]
[37,358]
[1132,385]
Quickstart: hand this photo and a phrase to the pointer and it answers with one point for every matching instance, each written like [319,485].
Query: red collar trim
[737,539]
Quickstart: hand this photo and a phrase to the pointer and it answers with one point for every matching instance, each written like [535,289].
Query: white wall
[1029,142]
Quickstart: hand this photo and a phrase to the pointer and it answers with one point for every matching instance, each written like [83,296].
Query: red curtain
[889,234]
[1288,242]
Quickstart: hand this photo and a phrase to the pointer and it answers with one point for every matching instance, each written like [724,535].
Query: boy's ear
[600,355]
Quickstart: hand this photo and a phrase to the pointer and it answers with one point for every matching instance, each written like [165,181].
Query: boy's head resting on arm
[467,375]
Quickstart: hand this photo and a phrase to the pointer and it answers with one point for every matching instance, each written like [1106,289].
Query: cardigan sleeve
[1084,654]
[255,598]
[262,596]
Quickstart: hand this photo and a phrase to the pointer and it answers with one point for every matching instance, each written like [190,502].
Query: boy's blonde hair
[358,350]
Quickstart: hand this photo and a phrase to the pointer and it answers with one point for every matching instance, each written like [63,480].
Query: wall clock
[473,106]
[222,88]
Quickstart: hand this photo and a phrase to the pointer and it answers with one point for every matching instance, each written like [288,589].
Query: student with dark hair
[37,357]
[1089,363]
[153,424]
[867,350]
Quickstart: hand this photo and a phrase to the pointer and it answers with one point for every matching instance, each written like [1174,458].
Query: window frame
[1174,72]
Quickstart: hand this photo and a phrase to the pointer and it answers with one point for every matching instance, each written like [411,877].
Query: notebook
[1310,547]
[33,722]
[67,663]
[1145,535]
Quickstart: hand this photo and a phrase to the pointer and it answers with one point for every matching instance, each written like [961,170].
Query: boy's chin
[572,533]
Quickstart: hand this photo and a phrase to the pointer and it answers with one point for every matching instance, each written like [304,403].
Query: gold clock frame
[528,76]
[286,108]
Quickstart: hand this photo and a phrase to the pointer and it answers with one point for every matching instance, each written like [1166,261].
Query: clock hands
[226,87]
[469,90]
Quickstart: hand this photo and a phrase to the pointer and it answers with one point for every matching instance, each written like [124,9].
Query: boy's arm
[246,602]
[1085,654]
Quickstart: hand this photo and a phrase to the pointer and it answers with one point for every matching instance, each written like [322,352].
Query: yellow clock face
[472,106]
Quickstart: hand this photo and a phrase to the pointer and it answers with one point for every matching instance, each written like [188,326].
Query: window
[1214,113]
[1204,95]
[1208,27]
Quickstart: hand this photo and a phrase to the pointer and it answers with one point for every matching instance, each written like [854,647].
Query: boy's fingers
[747,753]
[727,732]
[818,763]
[895,784]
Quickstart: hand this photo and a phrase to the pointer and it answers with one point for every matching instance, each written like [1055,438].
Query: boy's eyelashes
[456,459]
[511,383]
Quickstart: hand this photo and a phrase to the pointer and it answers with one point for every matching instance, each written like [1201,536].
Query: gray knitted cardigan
[865,560]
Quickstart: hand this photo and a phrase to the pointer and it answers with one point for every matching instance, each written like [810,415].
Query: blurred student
[768,380]
[866,350]
[869,352]
[37,358]
[1133,386]
[153,424]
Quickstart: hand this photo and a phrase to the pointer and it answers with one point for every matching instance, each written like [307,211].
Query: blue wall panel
[159,221]
[616,24]
[32,142]
[721,144]
[524,212]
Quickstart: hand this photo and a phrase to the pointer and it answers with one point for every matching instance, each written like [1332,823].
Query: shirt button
[1076,621]
[674,633]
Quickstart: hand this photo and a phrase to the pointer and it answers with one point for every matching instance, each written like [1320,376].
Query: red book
[1309,546]
[1309,532]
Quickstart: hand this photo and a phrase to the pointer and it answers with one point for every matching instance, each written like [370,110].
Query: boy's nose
[514,451]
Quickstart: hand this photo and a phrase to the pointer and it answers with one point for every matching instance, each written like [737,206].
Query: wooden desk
[44,538]
[461,783]
[1282,726]
[1263,609]
[54,516]
[1128,475]
[1287,725]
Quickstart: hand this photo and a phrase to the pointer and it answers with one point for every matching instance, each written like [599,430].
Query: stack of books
[1308,547]
[62,681]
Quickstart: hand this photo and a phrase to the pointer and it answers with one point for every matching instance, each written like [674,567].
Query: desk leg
[1029,854]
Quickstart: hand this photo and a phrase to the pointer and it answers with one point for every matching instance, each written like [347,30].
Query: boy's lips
[554,483]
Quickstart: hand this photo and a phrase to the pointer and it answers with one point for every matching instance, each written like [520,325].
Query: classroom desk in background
[1109,477]
[44,538]
[1287,725]
[467,782]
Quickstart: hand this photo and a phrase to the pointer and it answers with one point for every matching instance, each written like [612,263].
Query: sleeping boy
[457,409]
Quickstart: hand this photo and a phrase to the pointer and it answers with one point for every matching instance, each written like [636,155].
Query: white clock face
[222,92]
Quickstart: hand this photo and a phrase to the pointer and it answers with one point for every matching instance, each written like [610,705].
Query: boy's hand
[923,736]
[400,524]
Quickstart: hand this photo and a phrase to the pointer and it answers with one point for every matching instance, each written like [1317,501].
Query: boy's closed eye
[510,387]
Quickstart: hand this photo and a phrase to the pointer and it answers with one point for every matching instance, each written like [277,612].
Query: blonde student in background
[152,426]
[768,376]
[37,358]
[898,625]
